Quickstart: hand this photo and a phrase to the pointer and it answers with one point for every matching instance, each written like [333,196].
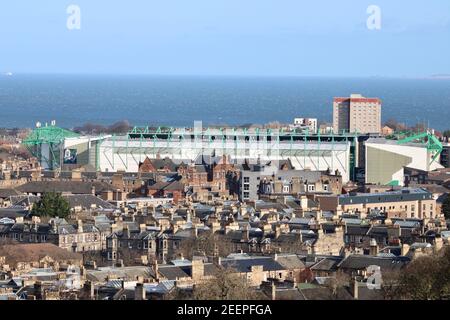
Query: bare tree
[425,278]
[227,284]
[340,280]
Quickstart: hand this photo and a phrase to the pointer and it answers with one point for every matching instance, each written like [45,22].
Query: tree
[446,207]
[446,133]
[226,284]
[339,281]
[207,244]
[425,278]
[396,126]
[51,205]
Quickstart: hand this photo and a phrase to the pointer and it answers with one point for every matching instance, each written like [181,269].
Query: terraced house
[81,237]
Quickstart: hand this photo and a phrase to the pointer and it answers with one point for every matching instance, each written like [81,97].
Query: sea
[73,100]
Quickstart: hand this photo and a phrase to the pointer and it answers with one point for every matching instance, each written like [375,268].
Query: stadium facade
[57,148]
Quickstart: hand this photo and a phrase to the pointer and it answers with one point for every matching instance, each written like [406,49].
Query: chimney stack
[277,232]
[90,289]
[273,291]
[156,269]
[126,231]
[198,270]
[80,226]
[354,288]
[405,249]
[139,292]
[373,247]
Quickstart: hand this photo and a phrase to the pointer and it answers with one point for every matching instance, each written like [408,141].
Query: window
[286,189]
[311,188]
[326,187]
[246,195]
[246,187]
[246,179]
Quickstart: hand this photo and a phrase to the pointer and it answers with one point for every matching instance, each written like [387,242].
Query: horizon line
[437,76]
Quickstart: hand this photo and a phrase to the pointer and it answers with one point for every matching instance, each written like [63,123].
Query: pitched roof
[290,261]
[171,272]
[74,187]
[327,264]
[359,262]
[245,264]
[126,273]
[87,201]
[6,193]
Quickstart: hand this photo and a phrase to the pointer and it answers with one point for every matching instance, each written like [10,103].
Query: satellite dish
[38,124]
[53,123]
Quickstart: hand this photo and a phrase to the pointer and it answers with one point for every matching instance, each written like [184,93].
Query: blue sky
[227,37]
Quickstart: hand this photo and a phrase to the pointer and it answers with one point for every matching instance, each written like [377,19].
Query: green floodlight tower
[45,143]
[434,146]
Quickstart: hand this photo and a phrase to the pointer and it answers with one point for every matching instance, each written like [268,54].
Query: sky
[227,37]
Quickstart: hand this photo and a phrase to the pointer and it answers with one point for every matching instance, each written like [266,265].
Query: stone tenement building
[403,203]
[283,179]
[75,238]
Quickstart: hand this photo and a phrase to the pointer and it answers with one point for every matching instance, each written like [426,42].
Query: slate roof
[357,230]
[245,264]
[359,262]
[167,185]
[407,224]
[74,187]
[87,201]
[172,272]
[288,294]
[6,193]
[392,196]
[327,264]
[378,231]
[12,212]
[290,261]
[130,273]
[161,287]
